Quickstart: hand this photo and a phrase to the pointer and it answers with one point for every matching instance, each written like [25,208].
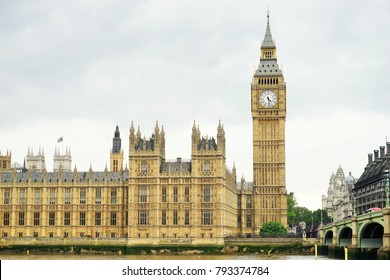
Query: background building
[339,199]
[369,189]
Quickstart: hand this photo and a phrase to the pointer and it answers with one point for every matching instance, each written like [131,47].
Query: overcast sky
[78,68]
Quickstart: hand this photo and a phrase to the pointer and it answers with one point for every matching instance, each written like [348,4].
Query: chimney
[382,148]
[376,154]
[369,158]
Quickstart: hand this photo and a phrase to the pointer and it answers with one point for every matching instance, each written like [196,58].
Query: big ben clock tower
[268,102]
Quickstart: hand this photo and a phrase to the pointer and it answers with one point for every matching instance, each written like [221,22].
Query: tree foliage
[296,214]
[272,229]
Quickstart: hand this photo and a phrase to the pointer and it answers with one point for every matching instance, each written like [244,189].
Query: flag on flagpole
[60,139]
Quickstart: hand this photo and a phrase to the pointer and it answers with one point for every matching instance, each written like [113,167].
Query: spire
[268,42]
[132,128]
[117,133]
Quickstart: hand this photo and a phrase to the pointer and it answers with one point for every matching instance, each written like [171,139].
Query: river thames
[158,257]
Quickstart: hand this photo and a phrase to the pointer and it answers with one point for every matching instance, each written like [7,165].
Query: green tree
[272,229]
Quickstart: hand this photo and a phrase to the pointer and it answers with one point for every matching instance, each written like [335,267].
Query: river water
[158,257]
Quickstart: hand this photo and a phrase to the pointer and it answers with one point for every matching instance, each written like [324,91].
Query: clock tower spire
[268,106]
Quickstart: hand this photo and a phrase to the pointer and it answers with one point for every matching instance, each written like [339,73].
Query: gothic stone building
[155,200]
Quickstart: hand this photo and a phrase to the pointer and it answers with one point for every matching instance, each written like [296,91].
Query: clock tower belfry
[268,105]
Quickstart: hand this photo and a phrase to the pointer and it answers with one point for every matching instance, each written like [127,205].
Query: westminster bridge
[364,232]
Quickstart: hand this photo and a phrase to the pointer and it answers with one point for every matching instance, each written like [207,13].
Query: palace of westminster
[149,199]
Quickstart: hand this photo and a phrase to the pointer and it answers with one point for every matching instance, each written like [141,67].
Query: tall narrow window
[67,196]
[175,217]
[187,194]
[248,220]
[6,219]
[164,194]
[144,167]
[115,165]
[21,219]
[52,198]
[98,196]
[175,194]
[98,218]
[37,196]
[163,217]
[113,218]
[206,194]
[22,196]
[37,217]
[113,196]
[66,218]
[143,194]
[7,196]
[82,218]
[187,217]
[83,196]
[248,201]
[207,166]
[52,218]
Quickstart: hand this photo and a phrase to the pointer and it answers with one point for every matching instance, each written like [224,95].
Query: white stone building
[338,201]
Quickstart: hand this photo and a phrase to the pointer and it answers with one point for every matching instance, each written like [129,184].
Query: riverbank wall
[123,246]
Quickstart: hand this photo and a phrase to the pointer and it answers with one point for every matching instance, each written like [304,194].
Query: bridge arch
[371,235]
[345,236]
[328,237]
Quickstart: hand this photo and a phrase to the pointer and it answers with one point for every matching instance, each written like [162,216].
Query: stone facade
[268,98]
[339,199]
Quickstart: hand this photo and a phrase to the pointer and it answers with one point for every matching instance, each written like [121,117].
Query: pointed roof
[268,42]
[117,133]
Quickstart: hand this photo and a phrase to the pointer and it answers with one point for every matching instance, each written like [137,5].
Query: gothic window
[98,218]
[143,217]
[83,196]
[21,218]
[187,217]
[144,167]
[82,218]
[113,196]
[248,201]
[248,220]
[67,196]
[113,218]
[163,217]
[187,194]
[207,217]
[175,194]
[6,219]
[37,196]
[206,194]
[143,194]
[175,217]
[7,196]
[164,194]
[98,196]
[52,218]
[115,165]
[206,166]
[66,218]
[52,197]
[37,216]
[22,196]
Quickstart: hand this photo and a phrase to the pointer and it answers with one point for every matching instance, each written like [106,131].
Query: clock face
[268,99]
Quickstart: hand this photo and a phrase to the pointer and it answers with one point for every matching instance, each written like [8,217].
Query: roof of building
[268,42]
[65,176]
[373,171]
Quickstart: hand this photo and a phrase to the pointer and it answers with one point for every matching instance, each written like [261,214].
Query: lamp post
[386,179]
